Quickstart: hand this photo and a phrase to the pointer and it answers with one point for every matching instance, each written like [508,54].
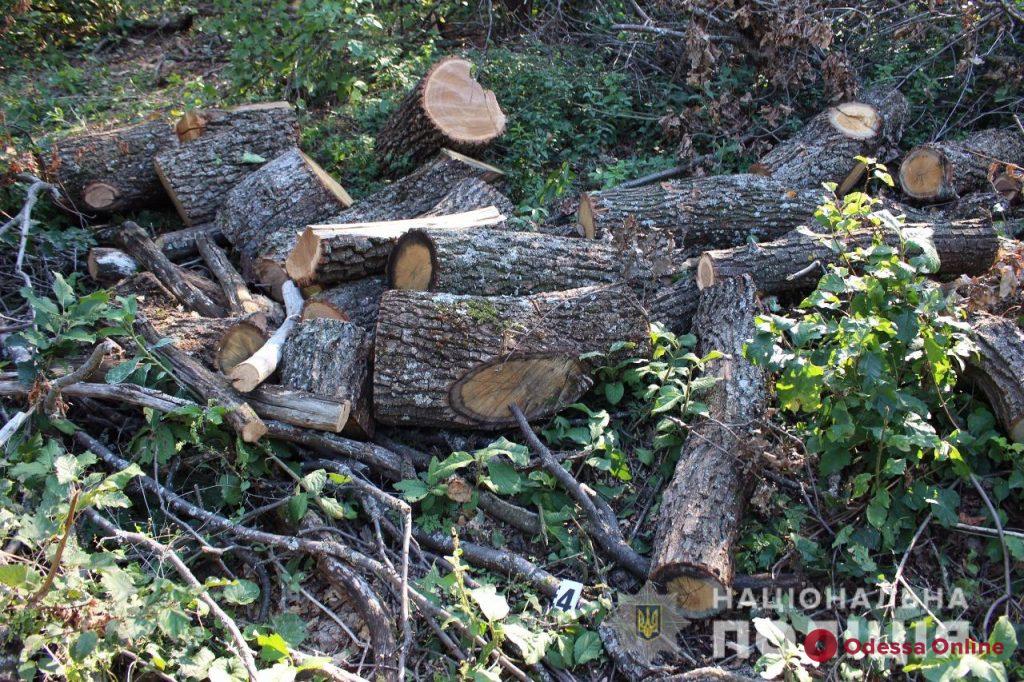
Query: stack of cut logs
[422,304]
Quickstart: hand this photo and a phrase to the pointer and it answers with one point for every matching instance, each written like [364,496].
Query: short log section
[357,301]
[447,108]
[701,508]
[943,171]
[460,361]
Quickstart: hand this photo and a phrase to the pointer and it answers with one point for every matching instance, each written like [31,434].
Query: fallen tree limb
[247,375]
[239,298]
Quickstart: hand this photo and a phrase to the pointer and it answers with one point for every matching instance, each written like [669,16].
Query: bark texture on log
[701,213]
[963,247]
[107,265]
[357,301]
[299,408]
[181,244]
[248,119]
[325,254]
[943,171]
[701,507]
[264,214]
[824,149]
[460,361]
[332,358]
[134,240]
[499,263]
[112,171]
[470,194]
[447,108]
[998,370]
[199,175]
[208,386]
[675,303]
[420,191]
[240,299]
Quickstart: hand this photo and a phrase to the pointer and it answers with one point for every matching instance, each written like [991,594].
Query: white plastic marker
[568,595]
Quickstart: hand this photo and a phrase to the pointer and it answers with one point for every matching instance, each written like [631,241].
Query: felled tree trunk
[700,213]
[943,171]
[112,171]
[998,370]
[824,149]
[106,265]
[248,119]
[181,244]
[264,214]
[336,253]
[420,191]
[199,174]
[796,261]
[137,244]
[332,358]
[701,507]
[448,108]
[357,301]
[499,263]
[675,303]
[460,361]
[470,194]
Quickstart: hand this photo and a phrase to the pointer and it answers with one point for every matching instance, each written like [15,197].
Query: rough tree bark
[336,253]
[332,358]
[248,119]
[460,361]
[419,192]
[469,194]
[998,370]
[112,171]
[137,244]
[447,108]
[357,301]
[675,303]
[264,214]
[299,408]
[499,263]
[198,175]
[701,507]
[700,213]
[181,244]
[943,171]
[788,264]
[824,149]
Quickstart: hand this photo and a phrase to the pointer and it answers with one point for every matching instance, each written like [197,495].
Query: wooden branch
[240,300]
[247,375]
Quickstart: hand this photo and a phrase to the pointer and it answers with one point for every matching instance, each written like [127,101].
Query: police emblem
[648,620]
[646,623]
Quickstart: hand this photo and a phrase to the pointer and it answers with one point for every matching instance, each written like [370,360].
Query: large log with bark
[357,301]
[264,214]
[943,171]
[675,303]
[824,149]
[198,175]
[796,261]
[469,194]
[112,171]
[339,252]
[700,213]
[499,263]
[998,370]
[332,358]
[702,505]
[460,361]
[421,191]
[447,108]
[181,244]
[248,119]
[204,299]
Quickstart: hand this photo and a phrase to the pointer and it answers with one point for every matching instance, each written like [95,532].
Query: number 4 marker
[568,595]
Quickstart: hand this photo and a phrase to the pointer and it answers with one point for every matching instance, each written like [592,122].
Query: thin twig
[1008,589]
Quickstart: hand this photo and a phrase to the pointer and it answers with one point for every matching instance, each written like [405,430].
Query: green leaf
[119,372]
[297,507]
[84,645]
[613,392]
[412,489]
[315,481]
[503,477]
[587,647]
[878,508]
[291,627]
[1004,633]
[531,645]
[18,575]
[492,605]
[241,592]
[249,157]
[273,647]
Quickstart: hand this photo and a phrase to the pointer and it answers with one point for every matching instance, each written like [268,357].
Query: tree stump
[998,370]
[824,149]
[700,213]
[460,361]
[943,171]
[701,507]
[447,108]
[264,214]
[332,358]
[199,174]
[112,171]
[796,261]
[325,254]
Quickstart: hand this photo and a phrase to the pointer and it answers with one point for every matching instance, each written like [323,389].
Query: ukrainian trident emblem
[648,620]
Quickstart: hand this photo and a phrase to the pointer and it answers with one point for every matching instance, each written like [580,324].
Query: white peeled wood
[249,374]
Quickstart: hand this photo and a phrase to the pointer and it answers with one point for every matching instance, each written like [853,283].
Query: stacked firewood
[421,305]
